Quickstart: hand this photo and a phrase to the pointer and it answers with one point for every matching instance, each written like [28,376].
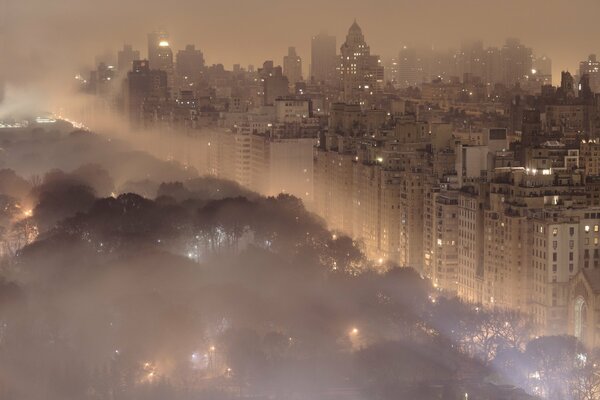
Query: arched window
[580,318]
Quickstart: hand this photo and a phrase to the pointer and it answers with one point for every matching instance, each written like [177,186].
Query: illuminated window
[554,231]
[587,228]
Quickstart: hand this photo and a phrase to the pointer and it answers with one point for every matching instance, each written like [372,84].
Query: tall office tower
[517,60]
[125,59]
[359,71]
[292,66]
[323,58]
[189,66]
[408,67]
[591,68]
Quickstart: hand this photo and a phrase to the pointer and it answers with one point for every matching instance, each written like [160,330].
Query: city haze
[64,35]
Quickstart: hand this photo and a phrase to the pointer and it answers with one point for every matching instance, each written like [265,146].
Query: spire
[355,27]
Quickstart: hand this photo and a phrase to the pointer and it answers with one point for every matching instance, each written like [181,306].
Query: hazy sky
[58,35]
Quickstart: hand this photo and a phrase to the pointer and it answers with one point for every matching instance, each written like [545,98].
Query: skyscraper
[359,71]
[125,58]
[160,55]
[292,66]
[323,58]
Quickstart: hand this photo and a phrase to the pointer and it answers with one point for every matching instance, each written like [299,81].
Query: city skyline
[211,29]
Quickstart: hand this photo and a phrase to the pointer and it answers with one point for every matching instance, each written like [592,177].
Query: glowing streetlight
[354,331]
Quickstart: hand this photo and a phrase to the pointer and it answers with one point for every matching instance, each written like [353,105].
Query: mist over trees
[196,288]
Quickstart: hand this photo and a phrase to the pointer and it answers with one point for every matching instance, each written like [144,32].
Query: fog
[57,38]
